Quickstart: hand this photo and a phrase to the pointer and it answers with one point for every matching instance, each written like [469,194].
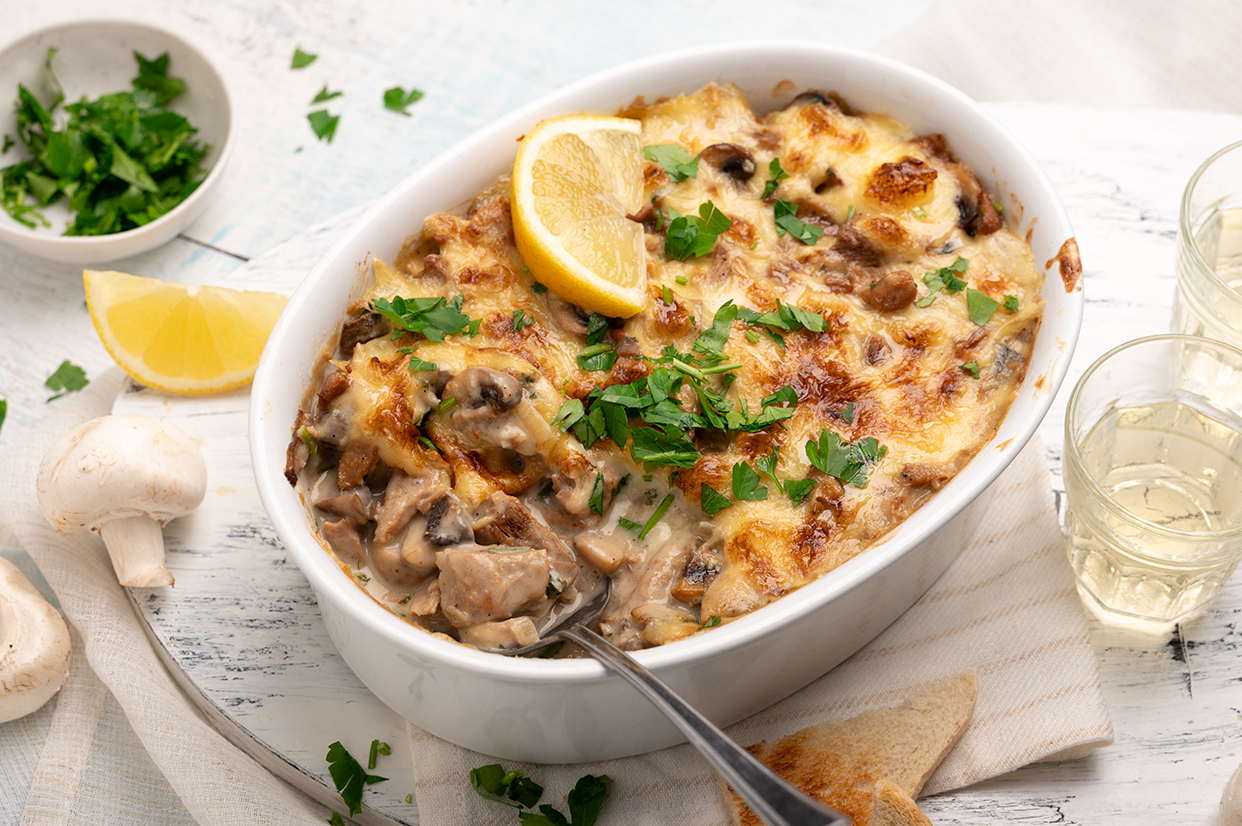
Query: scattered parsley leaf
[556,587]
[629,525]
[302,59]
[980,306]
[312,444]
[654,448]
[971,367]
[4,409]
[945,278]
[336,819]
[711,341]
[847,413]
[520,321]
[681,279]
[1011,303]
[550,651]
[676,162]
[447,403]
[920,213]
[324,95]
[846,462]
[787,222]
[494,783]
[767,466]
[587,798]
[569,414]
[538,289]
[691,237]
[598,358]
[417,364]
[377,748]
[797,489]
[655,517]
[752,336]
[67,378]
[849,214]
[433,317]
[713,501]
[667,296]
[596,501]
[778,175]
[746,484]
[711,622]
[597,326]
[397,99]
[348,776]
[409,799]
[323,124]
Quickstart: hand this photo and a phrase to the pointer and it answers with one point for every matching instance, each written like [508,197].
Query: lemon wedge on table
[574,181]
[181,338]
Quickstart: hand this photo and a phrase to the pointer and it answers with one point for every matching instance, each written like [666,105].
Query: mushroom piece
[124,478]
[568,317]
[34,646]
[483,393]
[730,159]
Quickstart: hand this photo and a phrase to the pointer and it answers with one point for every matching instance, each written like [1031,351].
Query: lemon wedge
[178,337]
[574,181]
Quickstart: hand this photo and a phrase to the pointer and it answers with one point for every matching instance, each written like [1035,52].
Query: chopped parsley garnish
[550,651]
[538,289]
[980,306]
[660,510]
[323,124]
[1011,303]
[312,444]
[597,358]
[849,214]
[788,318]
[692,237]
[629,524]
[714,502]
[844,461]
[349,777]
[556,587]
[377,748]
[336,820]
[767,466]
[447,403]
[676,162]
[778,175]
[667,295]
[324,95]
[920,213]
[520,321]
[596,501]
[416,363]
[847,413]
[711,622]
[4,409]
[433,317]
[397,99]
[494,783]
[787,222]
[121,161]
[746,484]
[752,336]
[67,378]
[945,278]
[971,367]
[302,59]
[797,489]
[569,414]
[682,280]
[597,326]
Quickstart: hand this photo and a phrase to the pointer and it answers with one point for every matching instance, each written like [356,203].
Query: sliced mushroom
[123,477]
[895,291]
[662,624]
[483,393]
[605,551]
[448,522]
[363,328]
[417,551]
[568,317]
[388,564]
[357,505]
[331,429]
[731,159]
[976,213]
[34,646]
[405,496]
[343,537]
[516,632]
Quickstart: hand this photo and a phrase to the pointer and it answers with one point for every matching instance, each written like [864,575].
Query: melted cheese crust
[889,201]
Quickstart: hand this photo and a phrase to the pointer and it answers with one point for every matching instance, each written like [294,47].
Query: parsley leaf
[844,461]
[336,820]
[348,776]
[492,782]
[433,317]
[797,489]
[67,378]
[677,163]
[629,525]
[302,59]
[655,517]
[778,175]
[654,448]
[847,413]
[980,306]
[691,237]
[711,622]
[971,367]
[397,99]
[586,799]
[4,409]
[597,495]
[324,95]
[569,414]
[377,748]
[714,502]
[711,341]
[598,358]
[597,326]
[537,288]
[417,364]
[945,278]
[787,222]
[520,321]
[1011,303]
[746,484]
[323,124]
[767,466]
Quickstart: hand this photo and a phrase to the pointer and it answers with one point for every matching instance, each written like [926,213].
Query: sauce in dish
[479,454]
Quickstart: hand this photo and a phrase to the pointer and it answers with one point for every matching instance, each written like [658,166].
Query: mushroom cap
[120,466]
[34,646]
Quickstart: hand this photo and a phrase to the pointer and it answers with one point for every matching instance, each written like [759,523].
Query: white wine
[1208,307]
[1157,545]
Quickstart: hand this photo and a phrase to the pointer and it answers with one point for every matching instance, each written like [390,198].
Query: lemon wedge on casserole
[574,181]
[178,337]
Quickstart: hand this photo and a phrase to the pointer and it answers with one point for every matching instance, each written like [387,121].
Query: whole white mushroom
[34,646]
[123,477]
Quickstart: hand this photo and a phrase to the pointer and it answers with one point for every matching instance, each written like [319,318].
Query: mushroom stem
[136,545]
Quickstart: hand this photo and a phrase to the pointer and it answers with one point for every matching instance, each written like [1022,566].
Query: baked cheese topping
[849,341]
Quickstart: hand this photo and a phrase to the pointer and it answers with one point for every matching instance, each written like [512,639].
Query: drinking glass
[1208,300]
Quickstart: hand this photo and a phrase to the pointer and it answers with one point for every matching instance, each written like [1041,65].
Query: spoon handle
[772,798]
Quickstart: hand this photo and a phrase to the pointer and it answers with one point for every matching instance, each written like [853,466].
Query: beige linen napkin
[92,770]
[1007,607]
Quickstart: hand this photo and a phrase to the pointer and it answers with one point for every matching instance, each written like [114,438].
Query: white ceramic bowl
[571,710]
[95,57]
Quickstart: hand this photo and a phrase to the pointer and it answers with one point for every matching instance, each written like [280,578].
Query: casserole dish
[569,710]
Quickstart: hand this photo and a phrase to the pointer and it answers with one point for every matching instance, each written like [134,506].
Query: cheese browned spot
[897,211]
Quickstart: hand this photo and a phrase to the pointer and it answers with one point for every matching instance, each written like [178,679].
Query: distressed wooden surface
[243,630]
[265,663]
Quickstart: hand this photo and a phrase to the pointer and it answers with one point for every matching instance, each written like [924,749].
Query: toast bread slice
[872,766]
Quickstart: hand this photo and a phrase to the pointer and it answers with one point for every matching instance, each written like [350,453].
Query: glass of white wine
[1208,301]
[1153,472]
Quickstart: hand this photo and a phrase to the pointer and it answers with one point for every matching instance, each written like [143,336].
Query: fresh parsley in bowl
[118,133]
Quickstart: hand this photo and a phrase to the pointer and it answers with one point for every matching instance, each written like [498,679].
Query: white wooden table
[1175,699]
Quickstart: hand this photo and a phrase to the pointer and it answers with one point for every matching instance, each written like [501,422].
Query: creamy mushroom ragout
[479,454]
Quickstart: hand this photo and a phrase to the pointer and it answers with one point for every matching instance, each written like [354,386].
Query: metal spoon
[768,794]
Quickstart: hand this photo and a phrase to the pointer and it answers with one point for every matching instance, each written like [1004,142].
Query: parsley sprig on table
[348,776]
[121,161]
[585,800]
[67,378]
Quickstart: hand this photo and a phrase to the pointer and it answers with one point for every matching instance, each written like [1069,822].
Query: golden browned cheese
[893,207]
